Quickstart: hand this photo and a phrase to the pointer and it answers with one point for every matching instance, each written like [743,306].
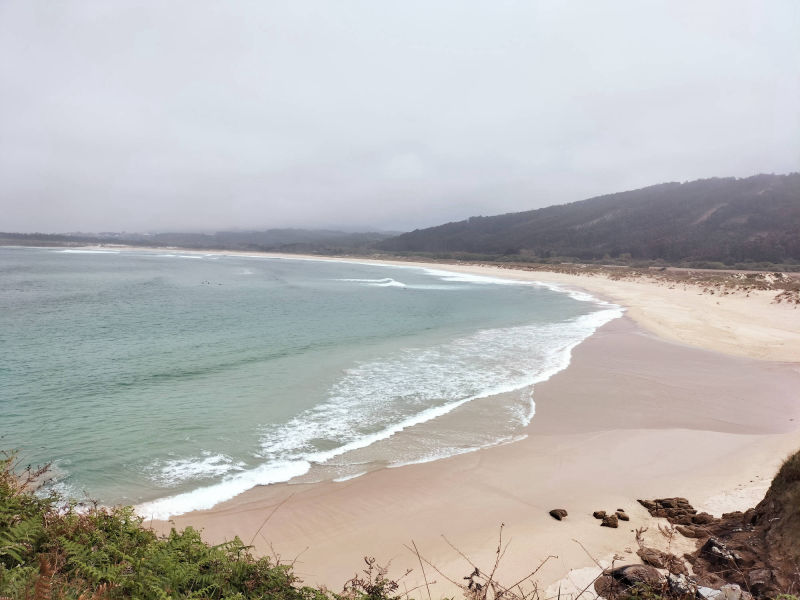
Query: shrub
[49,549]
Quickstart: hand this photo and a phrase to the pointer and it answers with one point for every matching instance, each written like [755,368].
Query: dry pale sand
[690,394]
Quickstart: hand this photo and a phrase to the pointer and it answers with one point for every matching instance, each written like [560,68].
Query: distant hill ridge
[270,240]
[721,219]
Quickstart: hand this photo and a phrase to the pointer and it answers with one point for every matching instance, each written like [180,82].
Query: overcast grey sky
[199,114]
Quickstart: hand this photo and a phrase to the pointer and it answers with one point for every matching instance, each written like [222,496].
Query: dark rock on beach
[718,553]
[689,532]
[614,583]
[558,514]
[662,560]
[702,518]
[610,521]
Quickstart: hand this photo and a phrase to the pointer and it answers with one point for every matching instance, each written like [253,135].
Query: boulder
[707,593]
[680,516]
[681,586]
[614,583]
[736,515]
[662,560]
[702,518]
[558,514]
[606,587]
[652,557]
[648,504]
[610,521]
[599,514]
[673,503]
[732,591]
[676,510]
[759,581]
[631,575]
[622,516]
[689,532]
[718,553]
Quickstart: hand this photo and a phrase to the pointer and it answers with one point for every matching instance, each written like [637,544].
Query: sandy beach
[688,395]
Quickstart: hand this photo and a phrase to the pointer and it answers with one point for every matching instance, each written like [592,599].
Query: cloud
[207,115]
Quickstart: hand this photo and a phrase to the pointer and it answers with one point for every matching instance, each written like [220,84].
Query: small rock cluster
[611,519]
[607,519]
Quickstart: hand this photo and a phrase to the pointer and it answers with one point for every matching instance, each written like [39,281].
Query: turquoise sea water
[174,381]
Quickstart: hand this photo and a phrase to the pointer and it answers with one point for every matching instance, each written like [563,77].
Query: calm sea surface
[174,381]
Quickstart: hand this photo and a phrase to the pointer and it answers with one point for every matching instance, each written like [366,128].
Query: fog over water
[382,115]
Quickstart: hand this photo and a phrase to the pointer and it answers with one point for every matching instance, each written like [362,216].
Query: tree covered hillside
[721,219]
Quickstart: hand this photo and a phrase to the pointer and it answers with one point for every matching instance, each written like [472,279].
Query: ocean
[174,381]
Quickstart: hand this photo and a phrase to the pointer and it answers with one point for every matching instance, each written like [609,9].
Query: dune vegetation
[50,549]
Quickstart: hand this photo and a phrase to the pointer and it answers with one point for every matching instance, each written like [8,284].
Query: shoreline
[638,413]
[607,431]
[689,394]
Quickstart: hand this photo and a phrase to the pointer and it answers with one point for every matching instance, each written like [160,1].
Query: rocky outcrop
[757,550]
[677,510]
[662,560]
[614,583]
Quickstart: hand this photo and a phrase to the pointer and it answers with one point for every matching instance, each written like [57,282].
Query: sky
[211,115]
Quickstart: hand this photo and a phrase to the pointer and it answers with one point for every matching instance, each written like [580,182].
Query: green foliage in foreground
[49,550]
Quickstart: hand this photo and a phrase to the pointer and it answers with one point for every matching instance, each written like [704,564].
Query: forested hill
[722,219]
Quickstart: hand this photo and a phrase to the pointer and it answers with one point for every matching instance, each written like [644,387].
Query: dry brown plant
[482,583]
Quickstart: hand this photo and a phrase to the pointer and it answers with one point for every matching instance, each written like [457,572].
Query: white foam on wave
[455,276]
[175,471]
[389,282]
[206,497]
[349,477]
[377,399]
[385,282]
[57,481]
[72,251]
[525,412]
[458,451]
[578,295]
